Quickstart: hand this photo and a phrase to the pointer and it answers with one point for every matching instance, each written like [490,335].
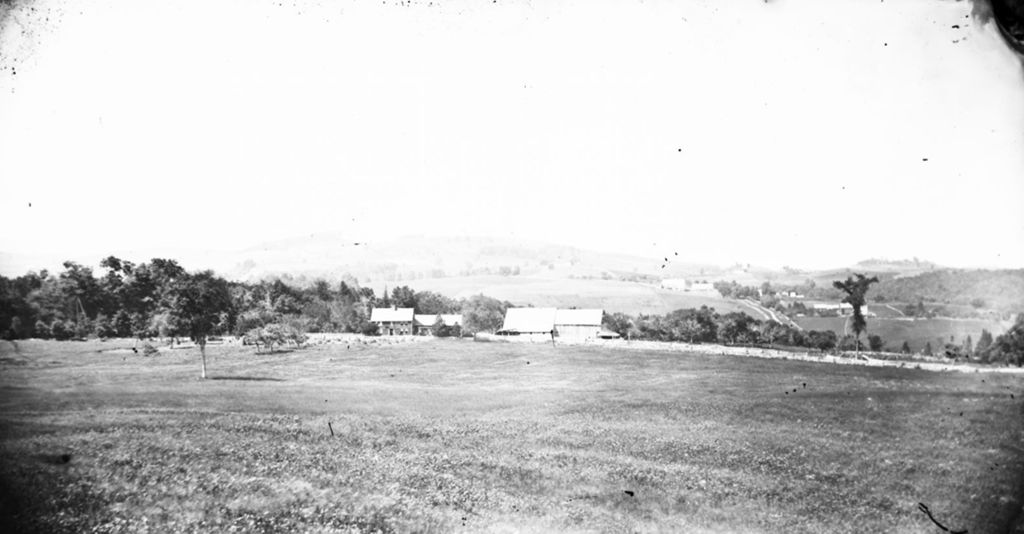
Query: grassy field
[915,332]
[611,295]
[449,436]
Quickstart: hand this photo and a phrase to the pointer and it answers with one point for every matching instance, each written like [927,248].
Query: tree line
[705,325]
[160,298]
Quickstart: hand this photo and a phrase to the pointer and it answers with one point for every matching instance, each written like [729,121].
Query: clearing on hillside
[450,435]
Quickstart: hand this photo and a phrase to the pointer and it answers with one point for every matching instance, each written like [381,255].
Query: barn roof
[429,319]
[425,319]
[392,314]
[591,317]
[529,319]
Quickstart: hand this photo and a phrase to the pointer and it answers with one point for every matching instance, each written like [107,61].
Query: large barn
[549,324]
[578,325]
[393,321]
[531,323]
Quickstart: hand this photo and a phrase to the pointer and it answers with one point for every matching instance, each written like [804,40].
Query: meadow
[916,332]
[610,295]
[456,436]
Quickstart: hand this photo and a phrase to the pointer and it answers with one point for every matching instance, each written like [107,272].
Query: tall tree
[856,287]
[198,304]
[984,342]
[403,297]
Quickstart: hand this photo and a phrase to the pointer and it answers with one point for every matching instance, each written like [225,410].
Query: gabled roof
[448,319]
[425,320]
[589,317]
[529,320]
[392,314]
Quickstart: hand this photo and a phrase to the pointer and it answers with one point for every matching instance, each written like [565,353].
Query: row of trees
[159,298]
[705,325]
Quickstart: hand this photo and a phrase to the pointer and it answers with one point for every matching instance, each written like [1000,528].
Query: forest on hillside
[1000,290]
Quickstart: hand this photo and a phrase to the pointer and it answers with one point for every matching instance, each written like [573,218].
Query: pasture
[451,435]
[610,295]
[916,332]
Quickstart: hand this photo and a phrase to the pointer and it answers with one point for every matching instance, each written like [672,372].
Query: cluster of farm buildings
[682,284]
[405,322]
[524,324]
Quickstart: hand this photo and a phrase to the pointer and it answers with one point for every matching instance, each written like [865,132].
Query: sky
[789,132]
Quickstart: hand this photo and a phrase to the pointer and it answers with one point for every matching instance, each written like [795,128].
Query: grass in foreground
[462,436]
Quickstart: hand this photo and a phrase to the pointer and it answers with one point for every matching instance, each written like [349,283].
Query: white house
[393,321]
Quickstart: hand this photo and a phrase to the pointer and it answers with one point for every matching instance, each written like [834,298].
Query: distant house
[842,308]
[703,286]
[424,323]
[677,284]
[393,321]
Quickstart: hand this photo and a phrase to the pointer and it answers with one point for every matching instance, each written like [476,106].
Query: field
[917,333]
[446,436]
[610,295]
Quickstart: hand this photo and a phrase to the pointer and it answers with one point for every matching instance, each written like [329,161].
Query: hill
[610,295]
[417,256]
[1001,290]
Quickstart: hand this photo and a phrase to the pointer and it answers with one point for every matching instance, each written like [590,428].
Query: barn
[529,324]
[548,324]
[393,321]
[578,325]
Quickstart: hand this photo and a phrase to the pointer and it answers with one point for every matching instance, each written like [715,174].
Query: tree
[875,343]
[984,342]
[618,322]
[196,305]
[856,287]
[430,303]
[928,349]
[1009,347]
[403,297]
[483,314]
[736,327]
[822,340]
[905,349]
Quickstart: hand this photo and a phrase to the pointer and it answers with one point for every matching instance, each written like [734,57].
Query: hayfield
[610,295]
[916,332]
[449,436]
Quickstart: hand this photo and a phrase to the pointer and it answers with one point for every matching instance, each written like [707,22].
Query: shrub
[62,330]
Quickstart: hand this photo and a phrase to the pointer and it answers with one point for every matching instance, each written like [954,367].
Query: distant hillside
[1001,290]
[898,266]
[332,256]
[611,295]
